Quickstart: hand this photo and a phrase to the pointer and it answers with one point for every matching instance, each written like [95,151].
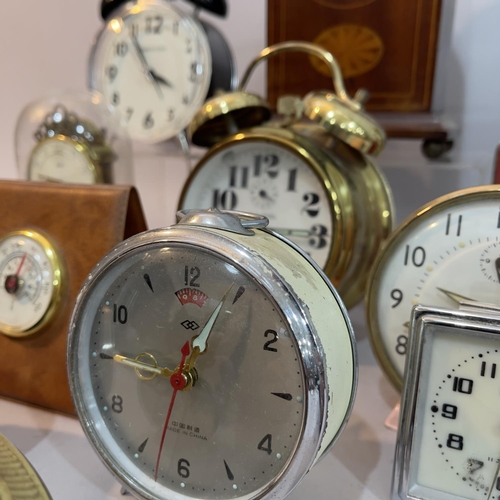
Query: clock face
[270,179]
[455,444]
[29,281]
[446,254]
[61,159]
[236,424]
[152,62]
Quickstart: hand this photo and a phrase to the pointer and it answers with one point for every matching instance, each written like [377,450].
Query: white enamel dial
[445,254]
[268,178]
[61,159]
[152,62]
[456,442]
[29,281]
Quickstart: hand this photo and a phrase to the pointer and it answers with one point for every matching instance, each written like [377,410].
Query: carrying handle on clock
[315,50]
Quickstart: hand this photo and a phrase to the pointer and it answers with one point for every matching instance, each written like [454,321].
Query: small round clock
[153,62]
[211,359]
[312,179]
[31,282]
[448,435]
[447,251]
[70,149]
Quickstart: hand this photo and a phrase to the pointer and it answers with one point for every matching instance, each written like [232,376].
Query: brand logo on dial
[190,325]
[186,430]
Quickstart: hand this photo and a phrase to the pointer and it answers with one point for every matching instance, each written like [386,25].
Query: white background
[44,46]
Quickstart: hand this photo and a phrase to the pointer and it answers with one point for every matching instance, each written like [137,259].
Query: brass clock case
[92,155]
[336,186]
[58,282]
[385,254]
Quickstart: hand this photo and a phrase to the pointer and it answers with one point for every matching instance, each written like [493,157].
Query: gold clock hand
[140,365]
[455,296]
[199,343]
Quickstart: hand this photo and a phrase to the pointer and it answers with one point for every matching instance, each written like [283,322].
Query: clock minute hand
[497,267]
[147,70]
[161,80]
[456,297]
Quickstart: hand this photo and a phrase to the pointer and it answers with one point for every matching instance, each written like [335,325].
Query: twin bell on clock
[308,171]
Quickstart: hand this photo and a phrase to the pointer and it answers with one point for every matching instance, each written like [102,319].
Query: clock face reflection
[456,446]
[237,422]
[267,178]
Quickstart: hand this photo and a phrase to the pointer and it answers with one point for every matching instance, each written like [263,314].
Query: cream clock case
[447,251]
[210,359]
[72,137]
[308,172]
[155,62]
[448,436]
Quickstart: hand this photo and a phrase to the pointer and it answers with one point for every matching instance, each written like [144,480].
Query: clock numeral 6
[265,444]
[182,467]
[148,121]
[416,257]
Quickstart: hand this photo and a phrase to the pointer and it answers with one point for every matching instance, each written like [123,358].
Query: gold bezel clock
[445,252]
[211,359]
[447,446]
[311,179]
[156,63]
[32,282]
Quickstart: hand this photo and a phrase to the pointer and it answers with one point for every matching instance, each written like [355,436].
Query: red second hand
[20,265]
[178,382]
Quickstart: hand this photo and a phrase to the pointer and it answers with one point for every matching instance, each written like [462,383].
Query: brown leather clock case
[85,222]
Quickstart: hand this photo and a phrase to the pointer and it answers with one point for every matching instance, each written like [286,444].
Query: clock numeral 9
[272,341]
[266,444]
[193,75]
[455,442]
[182,468]
[318,232]
[449,411]
[402,344]
[115,99]
[417,256]
[396,295]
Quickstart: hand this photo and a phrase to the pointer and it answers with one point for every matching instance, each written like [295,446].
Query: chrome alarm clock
[448,433]
[211,359]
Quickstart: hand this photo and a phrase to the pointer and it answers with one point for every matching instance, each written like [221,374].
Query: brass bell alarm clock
[308,172]
[156,62]
[211,359]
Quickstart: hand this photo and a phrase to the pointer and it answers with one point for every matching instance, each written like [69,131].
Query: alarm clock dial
[152,62]
[60,159]
[446,252]
[30,282]
[455,449]
[271,179]
[232,432]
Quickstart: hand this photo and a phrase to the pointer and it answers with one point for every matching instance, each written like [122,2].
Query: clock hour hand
[497,267]
[145,66]
[161,80]
[142,366]
[455,296]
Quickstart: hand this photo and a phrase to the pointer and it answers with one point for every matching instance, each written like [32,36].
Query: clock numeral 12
[191,276]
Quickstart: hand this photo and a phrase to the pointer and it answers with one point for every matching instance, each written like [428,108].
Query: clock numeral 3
[319,232]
